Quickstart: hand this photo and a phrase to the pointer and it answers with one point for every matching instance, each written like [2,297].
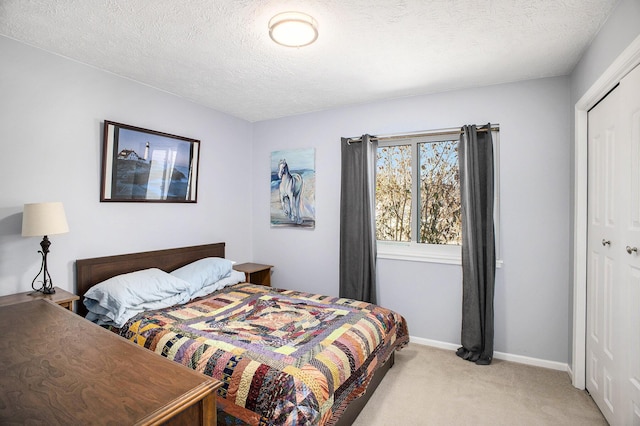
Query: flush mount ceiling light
[293,29]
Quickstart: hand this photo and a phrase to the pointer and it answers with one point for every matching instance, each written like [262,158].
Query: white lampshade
[39,219]
[293,29]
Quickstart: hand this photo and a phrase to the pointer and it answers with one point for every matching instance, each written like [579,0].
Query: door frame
[623,64]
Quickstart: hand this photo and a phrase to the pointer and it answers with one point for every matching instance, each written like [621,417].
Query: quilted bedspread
[284,357]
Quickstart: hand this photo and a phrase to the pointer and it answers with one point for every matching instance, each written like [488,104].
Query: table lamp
[43,219]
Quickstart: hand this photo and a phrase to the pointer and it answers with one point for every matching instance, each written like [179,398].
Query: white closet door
[630,188]
[604,257]
[613,276]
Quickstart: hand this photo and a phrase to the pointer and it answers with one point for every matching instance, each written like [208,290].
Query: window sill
[449,255]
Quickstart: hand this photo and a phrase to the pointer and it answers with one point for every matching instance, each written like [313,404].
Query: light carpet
[430,386]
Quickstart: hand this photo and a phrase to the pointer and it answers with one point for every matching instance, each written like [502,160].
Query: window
[418,212]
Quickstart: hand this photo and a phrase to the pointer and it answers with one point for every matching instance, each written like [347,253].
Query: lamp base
[47,284]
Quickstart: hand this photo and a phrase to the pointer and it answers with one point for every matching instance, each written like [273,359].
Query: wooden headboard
[90,272]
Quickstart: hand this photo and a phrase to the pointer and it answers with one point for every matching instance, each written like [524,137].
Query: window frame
[435,253]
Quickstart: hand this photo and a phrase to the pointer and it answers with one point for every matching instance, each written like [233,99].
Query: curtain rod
[495,128]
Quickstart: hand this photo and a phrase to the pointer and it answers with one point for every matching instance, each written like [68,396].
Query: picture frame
[293,188]
[142,165]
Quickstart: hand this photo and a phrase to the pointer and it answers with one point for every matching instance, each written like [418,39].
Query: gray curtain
[475,156]
[357,224]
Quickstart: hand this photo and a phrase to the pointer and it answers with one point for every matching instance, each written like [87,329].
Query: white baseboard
[498,355]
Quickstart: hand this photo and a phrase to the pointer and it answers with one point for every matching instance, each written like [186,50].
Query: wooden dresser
[58,368]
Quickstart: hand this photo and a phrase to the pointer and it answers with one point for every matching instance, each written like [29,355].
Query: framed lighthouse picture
[142,165]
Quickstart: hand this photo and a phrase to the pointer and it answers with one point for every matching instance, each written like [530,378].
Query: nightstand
[61,297]
[255,273]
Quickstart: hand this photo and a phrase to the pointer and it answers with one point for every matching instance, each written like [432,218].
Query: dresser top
[58,368]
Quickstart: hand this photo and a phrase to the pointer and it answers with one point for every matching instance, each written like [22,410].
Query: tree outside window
[440,213]
[393,193]
[430,170]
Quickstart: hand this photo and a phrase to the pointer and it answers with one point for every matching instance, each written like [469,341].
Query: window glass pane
[393,193]
[439,208]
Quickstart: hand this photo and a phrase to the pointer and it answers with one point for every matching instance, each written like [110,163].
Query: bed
[283,357]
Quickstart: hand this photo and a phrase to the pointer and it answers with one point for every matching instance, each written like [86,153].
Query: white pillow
[234,277]
[118,299]
[204,272]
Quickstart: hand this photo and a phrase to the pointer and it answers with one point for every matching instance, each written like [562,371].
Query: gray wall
[620,29]
[532,287]
[51,114]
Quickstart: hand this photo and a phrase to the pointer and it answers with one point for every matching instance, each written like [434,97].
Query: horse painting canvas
[293,188]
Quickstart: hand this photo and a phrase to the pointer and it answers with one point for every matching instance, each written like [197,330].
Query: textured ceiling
[218,52]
